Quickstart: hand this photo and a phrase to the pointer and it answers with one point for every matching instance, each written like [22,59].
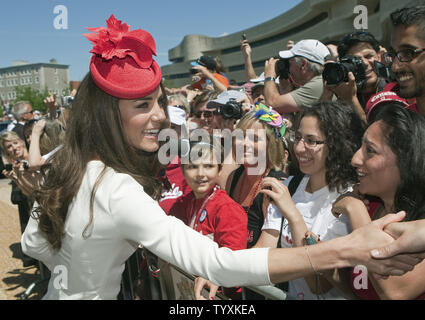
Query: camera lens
[282,68]
[334,73]
[231,110]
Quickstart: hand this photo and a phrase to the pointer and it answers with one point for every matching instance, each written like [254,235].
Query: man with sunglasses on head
[407,54]
[23,112]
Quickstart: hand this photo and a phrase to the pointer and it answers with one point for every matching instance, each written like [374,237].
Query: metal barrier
[169,282]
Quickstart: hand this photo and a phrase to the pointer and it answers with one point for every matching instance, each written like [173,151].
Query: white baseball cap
[310,49]
[177,115]
[225,97]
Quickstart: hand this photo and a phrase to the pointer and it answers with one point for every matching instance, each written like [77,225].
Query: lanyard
[195,217]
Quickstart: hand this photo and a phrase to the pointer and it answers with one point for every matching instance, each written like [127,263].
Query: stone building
[53,76]
[324,20]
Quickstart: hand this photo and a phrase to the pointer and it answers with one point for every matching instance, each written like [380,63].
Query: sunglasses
[180,107]
[206,114]
[355,34]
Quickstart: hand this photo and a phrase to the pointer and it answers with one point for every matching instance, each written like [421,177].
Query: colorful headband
[122,63]
[272,118]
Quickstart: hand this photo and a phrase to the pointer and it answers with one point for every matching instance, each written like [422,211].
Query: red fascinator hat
[122,63]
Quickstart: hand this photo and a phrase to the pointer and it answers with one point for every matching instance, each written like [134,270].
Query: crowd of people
[292,178]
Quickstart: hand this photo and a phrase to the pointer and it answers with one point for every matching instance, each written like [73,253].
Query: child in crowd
[207,209]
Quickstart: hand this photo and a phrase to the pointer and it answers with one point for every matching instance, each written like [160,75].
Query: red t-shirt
[221,219]
[179,186]
[370,293]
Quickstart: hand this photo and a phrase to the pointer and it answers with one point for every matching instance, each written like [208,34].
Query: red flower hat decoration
[122,63]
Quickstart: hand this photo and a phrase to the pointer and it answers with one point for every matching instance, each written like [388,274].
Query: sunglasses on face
[405,55]
[206,114]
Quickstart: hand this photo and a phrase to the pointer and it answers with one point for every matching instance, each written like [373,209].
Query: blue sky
[27,31]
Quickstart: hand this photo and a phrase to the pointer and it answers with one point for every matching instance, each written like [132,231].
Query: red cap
[122,63]
[384,96]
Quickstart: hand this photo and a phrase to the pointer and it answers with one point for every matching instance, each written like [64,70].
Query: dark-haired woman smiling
[327,134]
[390,166]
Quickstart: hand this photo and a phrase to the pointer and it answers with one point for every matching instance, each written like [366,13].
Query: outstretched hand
[410,238]
[373,235]
[200,284]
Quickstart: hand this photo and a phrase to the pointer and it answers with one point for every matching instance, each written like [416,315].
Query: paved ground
[14,278]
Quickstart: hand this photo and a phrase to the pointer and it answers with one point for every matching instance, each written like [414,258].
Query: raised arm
[249,69]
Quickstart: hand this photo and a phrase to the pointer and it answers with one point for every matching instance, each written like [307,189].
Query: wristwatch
[269,79]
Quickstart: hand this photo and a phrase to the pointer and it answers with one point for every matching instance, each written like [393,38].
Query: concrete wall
[312,19]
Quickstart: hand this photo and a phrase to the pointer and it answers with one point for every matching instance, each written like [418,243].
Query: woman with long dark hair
[327,134]
[391,168]
[97,203]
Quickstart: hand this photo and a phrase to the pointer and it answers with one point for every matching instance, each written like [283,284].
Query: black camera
[383,71]
[282,68]
[67,101]
[8,167]
[336,72]
[194,71]
[231,110]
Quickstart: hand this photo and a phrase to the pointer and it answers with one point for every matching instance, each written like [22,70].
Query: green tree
[34,97]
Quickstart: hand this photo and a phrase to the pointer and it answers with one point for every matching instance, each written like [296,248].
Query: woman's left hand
[27,179]
[345,201]
[280,195]
[10,174]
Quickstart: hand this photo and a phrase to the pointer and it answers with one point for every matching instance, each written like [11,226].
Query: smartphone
[243,36]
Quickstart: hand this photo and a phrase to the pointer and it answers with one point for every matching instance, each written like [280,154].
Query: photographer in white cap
[305,67]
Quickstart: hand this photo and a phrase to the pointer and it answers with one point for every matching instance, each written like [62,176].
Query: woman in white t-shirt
[325,139]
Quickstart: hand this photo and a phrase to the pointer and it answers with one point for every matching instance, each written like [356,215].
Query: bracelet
[269,79]
[311,263]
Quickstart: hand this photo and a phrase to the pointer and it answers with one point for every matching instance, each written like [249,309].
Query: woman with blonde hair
[15,155]
[261,151]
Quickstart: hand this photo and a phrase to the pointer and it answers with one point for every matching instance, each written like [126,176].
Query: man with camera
[356,77]
[229,107]
[204,73]
[303,66]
